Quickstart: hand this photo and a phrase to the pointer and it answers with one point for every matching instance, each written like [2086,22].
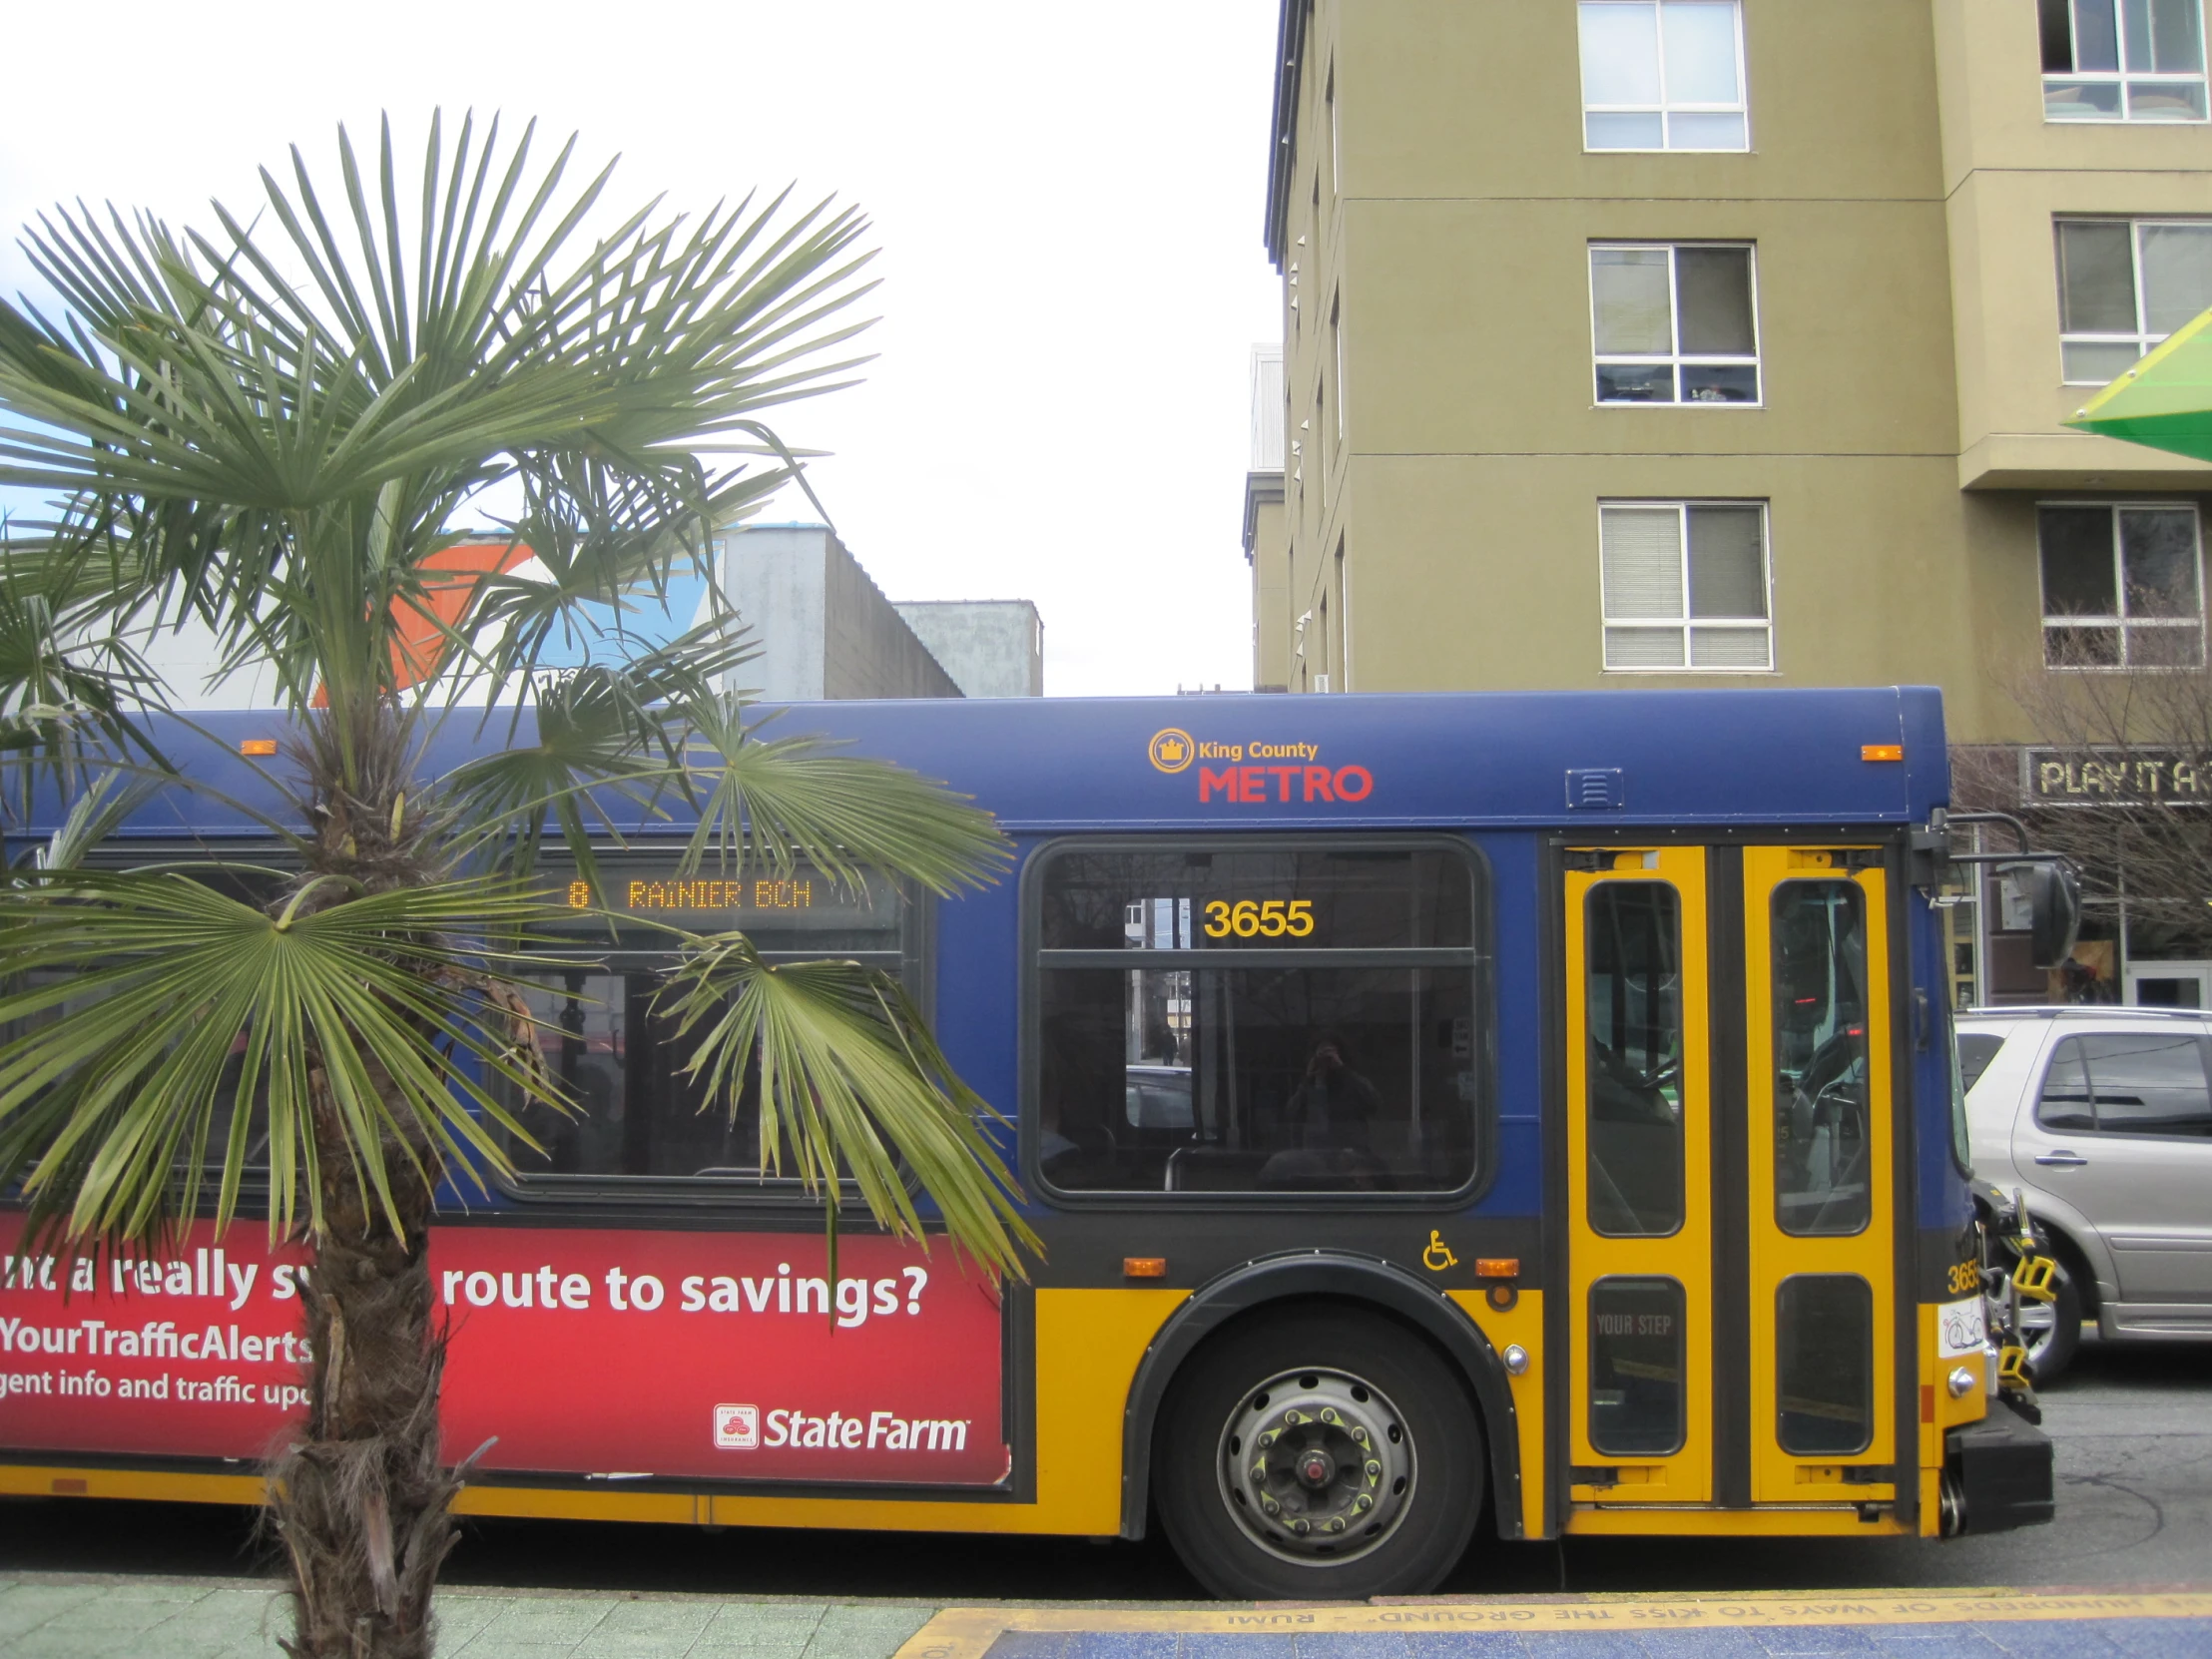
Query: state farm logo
[738,1427]
[1170,749]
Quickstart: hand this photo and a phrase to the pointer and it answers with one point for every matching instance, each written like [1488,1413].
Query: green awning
[2164,401]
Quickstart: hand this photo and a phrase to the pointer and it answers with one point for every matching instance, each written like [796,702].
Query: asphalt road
[2133,1427]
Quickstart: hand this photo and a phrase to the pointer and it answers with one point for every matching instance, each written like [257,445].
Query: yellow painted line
[968,1632]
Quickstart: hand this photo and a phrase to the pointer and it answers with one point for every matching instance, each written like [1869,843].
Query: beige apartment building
[1659,342]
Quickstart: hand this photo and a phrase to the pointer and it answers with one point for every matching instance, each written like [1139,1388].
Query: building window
[2123,60]
[1685,587]
[2124,285]
[1663,75]
[1674,325]
[2121,586]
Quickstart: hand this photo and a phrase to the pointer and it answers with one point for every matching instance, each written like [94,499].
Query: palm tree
[269,430]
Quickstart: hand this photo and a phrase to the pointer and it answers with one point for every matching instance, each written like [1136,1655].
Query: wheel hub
[1317,1464]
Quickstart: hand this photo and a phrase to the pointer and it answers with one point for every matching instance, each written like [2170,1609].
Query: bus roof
[1580,761]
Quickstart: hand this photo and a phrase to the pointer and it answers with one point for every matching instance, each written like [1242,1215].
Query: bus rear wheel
[1317,1451]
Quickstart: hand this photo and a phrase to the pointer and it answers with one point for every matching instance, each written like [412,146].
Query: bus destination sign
[694,894]
[801,898]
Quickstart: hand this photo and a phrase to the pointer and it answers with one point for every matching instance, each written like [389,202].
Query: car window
[2151,1084]
[2064,1102]
[1976,1050]
[2128,1083]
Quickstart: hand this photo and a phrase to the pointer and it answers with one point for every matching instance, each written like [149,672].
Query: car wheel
[1319,1452]
[2052,1330]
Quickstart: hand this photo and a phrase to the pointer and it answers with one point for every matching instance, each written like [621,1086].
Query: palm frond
[778,801]
[271,427]
[602,727]
[107,800]
[851,1085]
[340,423]
[68,690]
[152,1005]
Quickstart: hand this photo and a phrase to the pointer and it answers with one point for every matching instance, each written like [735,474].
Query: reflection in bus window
[1821,1178]
[1634,1003]
[639,1113]
[215,1146]
[612,1049]
[1275,1072]
[1636,1367]
[1824,1365]
[1278,1079]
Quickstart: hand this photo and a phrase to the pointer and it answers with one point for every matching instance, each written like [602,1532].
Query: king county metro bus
[1448,1117]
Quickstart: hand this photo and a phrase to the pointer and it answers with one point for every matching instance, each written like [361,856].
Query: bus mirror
[2054,911]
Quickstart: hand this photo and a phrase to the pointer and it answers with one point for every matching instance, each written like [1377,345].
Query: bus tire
[1314,1451]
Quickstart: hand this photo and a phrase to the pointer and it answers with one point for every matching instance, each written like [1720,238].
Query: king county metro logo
[1170,749]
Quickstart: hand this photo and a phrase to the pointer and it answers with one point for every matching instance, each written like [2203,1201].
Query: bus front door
[1731,1330]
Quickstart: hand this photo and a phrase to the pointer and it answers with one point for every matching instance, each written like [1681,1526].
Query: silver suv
[2104,1116]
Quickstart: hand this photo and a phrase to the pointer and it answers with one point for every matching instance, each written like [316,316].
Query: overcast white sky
[1067,195]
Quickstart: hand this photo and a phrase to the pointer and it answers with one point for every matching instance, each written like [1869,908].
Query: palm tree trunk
[361,1501]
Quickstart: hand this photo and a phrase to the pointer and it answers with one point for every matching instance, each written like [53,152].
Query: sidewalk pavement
[85,1616]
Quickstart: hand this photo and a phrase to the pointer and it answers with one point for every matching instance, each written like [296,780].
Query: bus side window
[1634,998]
[1189,1039]
[612,1047]
[1822,1180]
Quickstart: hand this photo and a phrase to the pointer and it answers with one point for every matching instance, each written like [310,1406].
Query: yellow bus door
[1639,1140]
[1823,1261]
[1730,1324]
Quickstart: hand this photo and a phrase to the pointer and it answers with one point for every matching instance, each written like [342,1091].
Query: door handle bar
[2062,1159]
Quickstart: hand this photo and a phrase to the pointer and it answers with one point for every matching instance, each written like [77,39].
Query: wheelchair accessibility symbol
[1438,1255]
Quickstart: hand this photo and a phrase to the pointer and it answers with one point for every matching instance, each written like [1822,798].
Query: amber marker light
[1497,1266]
[1882,751]
[1144,1267]
[257,745]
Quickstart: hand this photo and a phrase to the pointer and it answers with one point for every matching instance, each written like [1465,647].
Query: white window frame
[2121,622]
[1677,359]
[1687,623]
[1665,106]
[2144,340]
[1337,350]
[2121,77]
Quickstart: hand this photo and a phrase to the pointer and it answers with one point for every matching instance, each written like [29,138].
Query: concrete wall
[1446,456]
[989,647]
[824,628]
[2007,173]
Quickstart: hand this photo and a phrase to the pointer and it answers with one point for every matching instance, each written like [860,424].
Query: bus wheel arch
[1364,1285]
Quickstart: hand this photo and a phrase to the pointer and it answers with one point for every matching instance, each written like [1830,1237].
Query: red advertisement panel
[726,1356]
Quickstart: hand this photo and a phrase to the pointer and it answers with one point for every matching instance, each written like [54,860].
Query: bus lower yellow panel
[152,1485]
[1940,1412]
[1734,1523]
[1088,1346]
[1523,1322]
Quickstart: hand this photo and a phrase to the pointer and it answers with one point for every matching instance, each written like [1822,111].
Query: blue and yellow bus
[1446,1117]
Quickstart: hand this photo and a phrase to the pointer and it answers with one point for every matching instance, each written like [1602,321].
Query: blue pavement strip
[1986,1624]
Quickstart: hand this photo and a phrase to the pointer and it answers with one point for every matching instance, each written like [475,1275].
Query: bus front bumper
[1996,1475]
